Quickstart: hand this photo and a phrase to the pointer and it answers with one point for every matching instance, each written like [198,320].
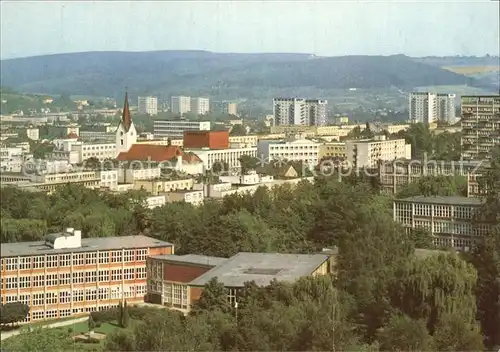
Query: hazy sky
[330,28]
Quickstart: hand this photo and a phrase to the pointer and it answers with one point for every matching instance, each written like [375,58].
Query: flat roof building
[67,275]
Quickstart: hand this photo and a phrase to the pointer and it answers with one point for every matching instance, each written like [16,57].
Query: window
[129,274]
[25,299]
[51,280]
[78,296]
[10,298]
[90,294]
[142,254]
[65,260]
[11,283]
[38,315]
[103,275]
[38,280]
[11,264]
[90,276]
[116,275]
[51,261]
[78,258]
[38,262]
[128,256]
[51,297]
[38,299]
[24,281]
[78,277]
[25,263]
[115,292]
[116,256]
[50,314]
[140,273]
[141,290]
[91,258]
[103,293]
[65,279]
[64,313]
[103,257]
[64,296]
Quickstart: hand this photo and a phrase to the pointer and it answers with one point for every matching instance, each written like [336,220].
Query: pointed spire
[126,118]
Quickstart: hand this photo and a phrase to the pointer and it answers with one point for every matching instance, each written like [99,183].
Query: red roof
[157,153]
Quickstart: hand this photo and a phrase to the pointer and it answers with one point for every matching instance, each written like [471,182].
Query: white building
[180,104]
[200,106]
[194,197]
[109,178]
[423,107]
[298,111]
[297,150]
[11,159]
[176,128]
[446,108]
[147,105]
[126,134]
[230,156]
[448,219]
[367,153]
[33,133]
[129,174]
[155,202]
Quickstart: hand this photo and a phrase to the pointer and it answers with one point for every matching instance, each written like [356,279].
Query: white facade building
[109,178]
[147,105]
[448,219]
[176,128]
[33,133]
[230,156]
[446,108]
[423,107]
[11,159]
[367,153]
[200,106]
[180,104]
[298,111]
[298,150]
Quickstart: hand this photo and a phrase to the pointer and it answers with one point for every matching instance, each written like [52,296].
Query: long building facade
[66,275]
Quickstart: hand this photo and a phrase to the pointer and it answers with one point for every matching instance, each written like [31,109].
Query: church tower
[126,135]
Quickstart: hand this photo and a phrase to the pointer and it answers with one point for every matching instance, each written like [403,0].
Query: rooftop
[157,153]
[88,245]
[262,268]
[446,200]
[191,259]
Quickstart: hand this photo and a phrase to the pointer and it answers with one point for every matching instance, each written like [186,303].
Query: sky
[322,27]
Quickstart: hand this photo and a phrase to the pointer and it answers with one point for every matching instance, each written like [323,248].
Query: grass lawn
[83,327]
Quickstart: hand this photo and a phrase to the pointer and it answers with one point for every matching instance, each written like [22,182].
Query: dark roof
[262,268]
[126,117]
[88,245]
[445,200]
[191,259]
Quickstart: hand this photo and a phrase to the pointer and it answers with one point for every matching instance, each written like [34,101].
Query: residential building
[93,136]
[224,107]
[206,139]
[147,105]
[332,150]
[423,107]
[11,159]
[448,219]
[200,106]
[66,275]
[243,141]
[446,108]
[155,201]
[298,111]
[395,175]
[180,104]
[159,185]
[33,133]
[176,128]
[480,126]
[292,150]
[178,281]
[368,153]
[58,131]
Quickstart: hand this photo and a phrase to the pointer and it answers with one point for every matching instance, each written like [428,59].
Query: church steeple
[126,118]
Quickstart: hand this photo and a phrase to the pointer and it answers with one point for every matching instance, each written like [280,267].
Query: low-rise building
[448,219]
[155,201]
[229,156]
[178,281]
[332,150]
[66,275]
[206,139]
[176,128]
[291,150]
[33,133]
[193,197]
[156,186]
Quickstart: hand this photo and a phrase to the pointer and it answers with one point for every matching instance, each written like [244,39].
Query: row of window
[444,211]
[74,259]
[78,277]
[65,297]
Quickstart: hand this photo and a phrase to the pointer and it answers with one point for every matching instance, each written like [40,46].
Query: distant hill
[200,72]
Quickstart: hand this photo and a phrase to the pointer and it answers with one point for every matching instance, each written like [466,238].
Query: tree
[43,340]
[238,130]
[91,325]
[248,163]
[120,313]
[213,297]
[405,334]
[13,312]
[125,319]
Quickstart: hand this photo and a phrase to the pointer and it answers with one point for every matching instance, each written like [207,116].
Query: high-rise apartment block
[147,105]
[66,275]
[368,153]
[480,126]
[298,111]
[180,104]
[200,106]
[225,107]
[428,108]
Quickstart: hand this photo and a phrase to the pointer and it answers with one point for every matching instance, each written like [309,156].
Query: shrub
[105,316]
[70,330]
